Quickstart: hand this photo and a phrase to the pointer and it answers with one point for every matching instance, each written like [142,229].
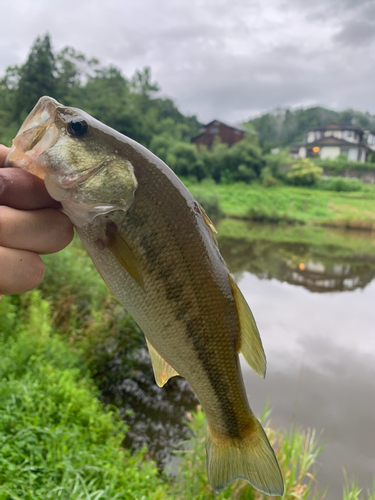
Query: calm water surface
[313,298]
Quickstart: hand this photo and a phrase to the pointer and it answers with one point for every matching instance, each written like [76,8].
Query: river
[313,297]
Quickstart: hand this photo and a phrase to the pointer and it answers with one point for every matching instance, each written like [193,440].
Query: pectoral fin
[123,253]
[250,343]
[162,370]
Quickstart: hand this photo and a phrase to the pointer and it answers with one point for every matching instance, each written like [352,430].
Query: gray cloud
[227,59]
[357,33]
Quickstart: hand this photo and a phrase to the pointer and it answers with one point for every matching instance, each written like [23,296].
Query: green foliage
[296,451]
[182,157]
[352,491]
[268,180]
[37,77]
[341,163]
[341,184]
[57,440]
[213,160]
[243,162]
[279,163]
[304,173]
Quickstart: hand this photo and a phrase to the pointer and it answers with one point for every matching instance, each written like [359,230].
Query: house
[227,134]
[334,139]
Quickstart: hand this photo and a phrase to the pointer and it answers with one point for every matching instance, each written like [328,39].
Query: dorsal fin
[209,223]
[123,253]
[250,343]
[162,370]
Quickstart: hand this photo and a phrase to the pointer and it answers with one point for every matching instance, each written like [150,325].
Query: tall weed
[296,451]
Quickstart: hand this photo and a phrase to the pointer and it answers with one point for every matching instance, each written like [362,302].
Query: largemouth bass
[155,248]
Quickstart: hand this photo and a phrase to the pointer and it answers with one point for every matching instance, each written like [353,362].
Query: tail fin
[252,459]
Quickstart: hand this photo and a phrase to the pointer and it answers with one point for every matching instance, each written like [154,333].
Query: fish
[156,249]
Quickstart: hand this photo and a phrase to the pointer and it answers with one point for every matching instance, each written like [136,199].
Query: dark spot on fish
[100,243]
[175,291]
[110,232]
[229,416]
[183,310]
[150,249]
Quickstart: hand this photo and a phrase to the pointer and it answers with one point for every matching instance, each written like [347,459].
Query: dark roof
[240,129]
[337,126]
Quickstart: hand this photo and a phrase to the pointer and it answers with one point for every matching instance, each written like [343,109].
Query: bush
[243,162]
[303,173]
[182,157]
[278,164]
[56,438]
[341,163]
[268,180]
[340,184]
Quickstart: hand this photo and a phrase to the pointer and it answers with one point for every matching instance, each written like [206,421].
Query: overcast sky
[225,59]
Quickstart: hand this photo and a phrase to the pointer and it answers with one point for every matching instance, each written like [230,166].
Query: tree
[37,77]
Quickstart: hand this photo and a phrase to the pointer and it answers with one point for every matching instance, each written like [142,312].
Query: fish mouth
[36,135]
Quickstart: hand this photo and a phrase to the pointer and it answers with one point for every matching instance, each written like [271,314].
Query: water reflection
[320,346]
[319,268]
[156,416]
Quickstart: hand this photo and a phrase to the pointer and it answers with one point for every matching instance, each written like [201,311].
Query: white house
[329,141]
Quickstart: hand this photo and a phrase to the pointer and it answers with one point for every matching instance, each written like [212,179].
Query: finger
[40,231]
[22,190]
[20,271]
[3,153]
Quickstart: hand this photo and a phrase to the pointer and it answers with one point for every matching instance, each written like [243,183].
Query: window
[318,135]
[345,151]
[214,130]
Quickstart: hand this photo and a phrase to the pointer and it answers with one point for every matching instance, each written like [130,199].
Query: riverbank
[292,205]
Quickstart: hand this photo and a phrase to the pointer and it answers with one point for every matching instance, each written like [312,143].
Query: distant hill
[283,127]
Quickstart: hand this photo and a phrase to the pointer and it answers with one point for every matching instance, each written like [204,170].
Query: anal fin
[250,343]
[162,370]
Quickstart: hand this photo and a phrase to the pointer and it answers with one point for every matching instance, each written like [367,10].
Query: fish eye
[77,127]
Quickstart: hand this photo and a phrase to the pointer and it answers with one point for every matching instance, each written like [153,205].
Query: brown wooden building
[227,134]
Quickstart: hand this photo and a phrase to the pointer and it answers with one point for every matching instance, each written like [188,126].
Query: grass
[290,204]
[352,490]
[57,440]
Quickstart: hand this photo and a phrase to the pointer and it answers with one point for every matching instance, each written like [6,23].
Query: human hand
[30,224]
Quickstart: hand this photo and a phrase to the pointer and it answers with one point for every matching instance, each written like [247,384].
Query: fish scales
[155,248]
[199,317]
